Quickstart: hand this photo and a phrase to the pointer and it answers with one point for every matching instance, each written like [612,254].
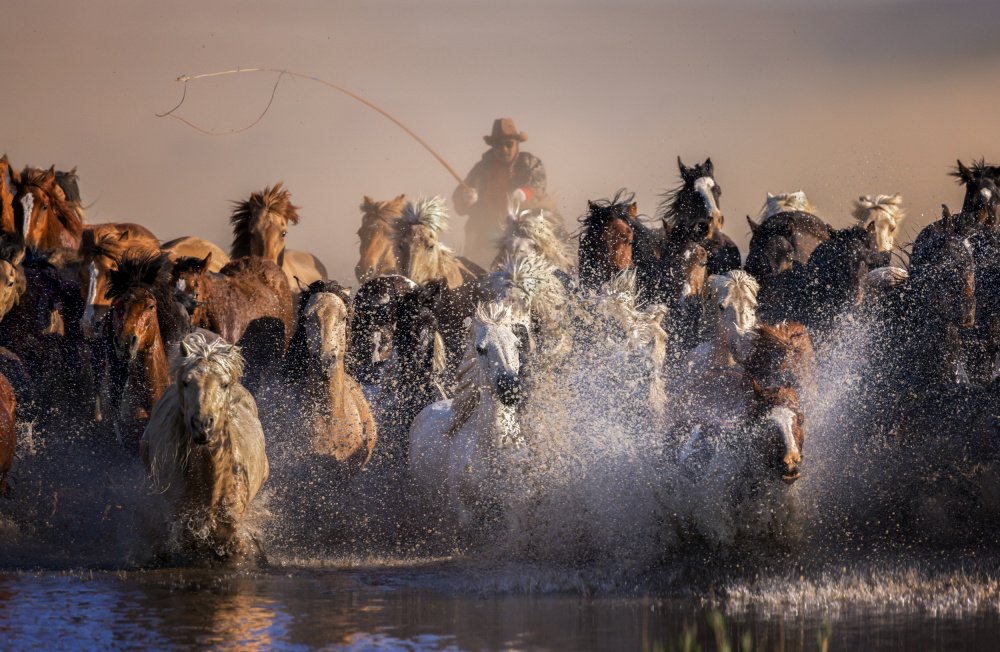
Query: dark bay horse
[249,302]
[980,207]
[691,212]
[374,325]
[146,320]
[612,240]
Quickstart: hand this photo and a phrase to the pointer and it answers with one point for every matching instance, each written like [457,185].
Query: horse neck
[329,395]
[210,478]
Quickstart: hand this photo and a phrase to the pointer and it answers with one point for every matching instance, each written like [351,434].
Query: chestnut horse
[9,178]
[8,433]
[42,215]
[100,248]
[249,302]
[260,225]
[379,251]
[332,406]
[146,320]
[612,240]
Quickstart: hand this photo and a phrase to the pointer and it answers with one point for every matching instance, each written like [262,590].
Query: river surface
[427,605]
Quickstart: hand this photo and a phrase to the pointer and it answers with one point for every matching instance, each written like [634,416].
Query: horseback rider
[503,176]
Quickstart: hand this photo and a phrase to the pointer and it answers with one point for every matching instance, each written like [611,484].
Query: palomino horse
[12,279]
[204,448]
[613,240]
[691,212]
[260,226]
[732,314]
[248,302]
[337,419]
[8,432]
[379,251]
[101,247]
[886,213]
[192,247]
[456,445]
[146,321]
[533,232]
[422,256]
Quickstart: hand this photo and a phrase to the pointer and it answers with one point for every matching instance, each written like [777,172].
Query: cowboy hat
[504,129]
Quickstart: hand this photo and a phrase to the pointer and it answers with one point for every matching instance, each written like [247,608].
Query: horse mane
[869,207]
[785,202]
[532,275]
[602,211]
[12,250]
[196,350]
[669,209]
[431,213]
[536,227]
[978,168]
[425,220]
[150,270]
[45,181]
[275,199]
[735,281]
[105,241]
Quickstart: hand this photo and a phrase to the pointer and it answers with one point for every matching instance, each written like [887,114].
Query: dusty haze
[838,99]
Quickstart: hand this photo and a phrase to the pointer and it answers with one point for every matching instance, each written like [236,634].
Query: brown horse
[379,251]
[42,215]
[260,225]
[101,246]
[192,247]
[8,433]
[9,178]
[141,298]
[779,354]
[249,302]
[332,407]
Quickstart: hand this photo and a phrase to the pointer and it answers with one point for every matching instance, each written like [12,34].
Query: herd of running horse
[441,368]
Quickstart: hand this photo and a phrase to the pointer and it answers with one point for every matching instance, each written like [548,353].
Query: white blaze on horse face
[27,203]
[987,195]
[703,186]
[784,418]
[89,313]
[181,284]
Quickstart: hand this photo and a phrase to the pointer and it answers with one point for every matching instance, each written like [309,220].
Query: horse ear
[183,350]
[770,196]
[205,262]
[632,210]
[756,387]
[708,168]
[870,228]
[401,198]
[753,225]
[433,289]
[964,173]
[302,286]
[945,213]
[685,171]
[123,235]
[590,205]
[790,229]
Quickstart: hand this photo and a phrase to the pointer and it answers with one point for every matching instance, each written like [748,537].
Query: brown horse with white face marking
[379,251]
[101,246]
[42,215]
[248,302]
[141,298]
[332,407]
[260,226]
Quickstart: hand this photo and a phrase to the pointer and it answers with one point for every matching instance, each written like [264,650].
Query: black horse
[980,207]
[691,212]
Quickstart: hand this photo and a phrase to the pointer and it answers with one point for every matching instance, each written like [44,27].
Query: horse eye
[185,382]
[151,308]
[284,233]
[480,350]
[225,386]
[721,307]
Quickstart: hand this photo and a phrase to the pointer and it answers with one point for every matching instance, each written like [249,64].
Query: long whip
[187,78]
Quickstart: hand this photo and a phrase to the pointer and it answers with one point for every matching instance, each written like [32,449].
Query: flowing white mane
[491,313]
[880,207]
[431,213]
[195,350]
[786,201]
[533,231]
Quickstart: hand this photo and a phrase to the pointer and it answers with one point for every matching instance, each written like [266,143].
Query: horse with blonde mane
[457,446]
[886,213]
[379,250]
[204,448]
[732,314]
[332,406]
[422,255]
[534,232]
[260,226]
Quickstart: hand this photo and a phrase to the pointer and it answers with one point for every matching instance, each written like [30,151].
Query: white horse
[204,447]
[733,302]
[457,446]
[886,213]
[533,232]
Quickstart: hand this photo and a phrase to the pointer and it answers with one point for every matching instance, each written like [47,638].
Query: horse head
[101,247]
[378,250]
[42,214]
[943,275]
[260,224]
[779,425]
[9,179]
[374,323]
[609,231]
[421,254]
[733,306]
[417,338]
[498,351]
[324,319]
[883,214]
[131,289]
[205,374]
[694,205]
[13,281]
[189,279]
[982,197]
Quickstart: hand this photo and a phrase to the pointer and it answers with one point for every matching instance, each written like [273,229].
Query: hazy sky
[838,100]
